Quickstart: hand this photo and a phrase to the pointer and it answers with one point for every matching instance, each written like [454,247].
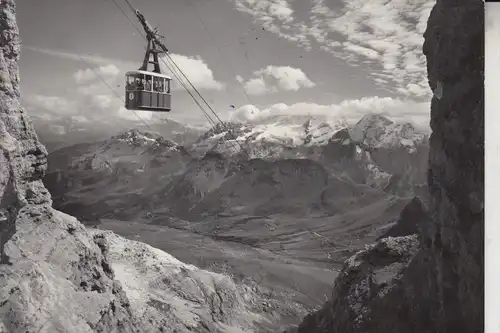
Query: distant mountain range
[59,132]
[297,168]
[262,139]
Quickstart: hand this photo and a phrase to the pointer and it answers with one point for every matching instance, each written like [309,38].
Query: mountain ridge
[336,151]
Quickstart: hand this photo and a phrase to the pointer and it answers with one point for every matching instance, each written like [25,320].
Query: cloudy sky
[340,58]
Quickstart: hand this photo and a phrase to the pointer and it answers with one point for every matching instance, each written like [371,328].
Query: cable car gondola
[148,90]
[136,88]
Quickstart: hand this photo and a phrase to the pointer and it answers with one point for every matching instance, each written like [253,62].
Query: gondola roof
[135,72]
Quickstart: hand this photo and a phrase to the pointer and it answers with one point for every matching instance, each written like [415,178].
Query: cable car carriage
[148,90]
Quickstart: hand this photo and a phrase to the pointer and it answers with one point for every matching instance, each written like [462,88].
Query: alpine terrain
[295,224]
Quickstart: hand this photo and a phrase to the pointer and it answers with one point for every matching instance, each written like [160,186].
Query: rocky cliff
[431,281]
[47,257]
[56,276]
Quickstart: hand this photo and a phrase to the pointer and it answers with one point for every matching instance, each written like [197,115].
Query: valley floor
[292,261]
[299,283]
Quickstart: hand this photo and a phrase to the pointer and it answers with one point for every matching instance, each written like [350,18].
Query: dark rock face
[413,215]
[369,281]
[454,47]
[440,287]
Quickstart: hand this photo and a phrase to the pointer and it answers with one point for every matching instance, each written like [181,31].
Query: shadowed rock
[391,287]
[411,217]
[56,276]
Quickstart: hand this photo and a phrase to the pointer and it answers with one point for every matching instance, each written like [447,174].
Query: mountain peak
[373,119]
[135,135]
[374,130]
[223,127]
[135,138]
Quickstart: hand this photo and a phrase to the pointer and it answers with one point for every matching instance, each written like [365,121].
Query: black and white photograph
[249,166]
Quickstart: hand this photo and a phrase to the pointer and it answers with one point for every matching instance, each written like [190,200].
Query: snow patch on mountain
[289,135]
[320,135]
[376,131]
[134,137]
[266,139]
[372,131]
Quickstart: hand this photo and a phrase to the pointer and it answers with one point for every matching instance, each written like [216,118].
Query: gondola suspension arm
[153,36]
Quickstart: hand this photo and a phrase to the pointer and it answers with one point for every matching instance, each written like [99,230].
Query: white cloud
[100,107]
[384,36]
[289,78]
[272,9]
[96,99]
[84,75]
[66,106]
[281,10]
[102,102]
[195,68]
[272,79]
[361,50]
[51,104]
[275,16]
[99,85]
[86,108]
[257,86]
[349,110]
[109,71]
[127,114]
